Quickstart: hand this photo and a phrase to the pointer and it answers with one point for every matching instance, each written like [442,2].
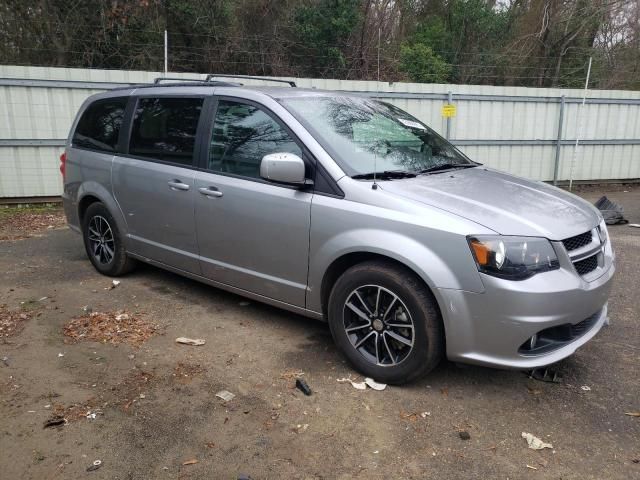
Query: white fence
[525,131]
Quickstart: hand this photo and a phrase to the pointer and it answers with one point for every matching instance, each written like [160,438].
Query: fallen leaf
[412,417]
[109,327]
[23,223]
[190,462]
[534,391]
[288,374]
[11,323]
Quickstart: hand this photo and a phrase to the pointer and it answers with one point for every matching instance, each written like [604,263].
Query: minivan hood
[504,203]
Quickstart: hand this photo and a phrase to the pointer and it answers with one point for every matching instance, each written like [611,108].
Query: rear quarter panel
[88,172]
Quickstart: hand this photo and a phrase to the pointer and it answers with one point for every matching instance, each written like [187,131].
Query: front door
[252,234]
[154,182]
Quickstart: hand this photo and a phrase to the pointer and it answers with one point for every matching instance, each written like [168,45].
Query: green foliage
[321,31]
[434,33]
[515,42]
[463,28]
[422,65]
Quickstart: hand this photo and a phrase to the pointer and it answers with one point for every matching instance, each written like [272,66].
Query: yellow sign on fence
[448,110]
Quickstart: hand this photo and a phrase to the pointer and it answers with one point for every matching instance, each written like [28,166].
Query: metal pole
[558,141]
[450,101]
[378,82]
[580,118]
[166,53]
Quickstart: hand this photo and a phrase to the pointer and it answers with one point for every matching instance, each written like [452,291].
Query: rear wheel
[385,321]
[103,242]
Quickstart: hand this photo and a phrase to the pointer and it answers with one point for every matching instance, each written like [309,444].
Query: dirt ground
[157,416]
[21,223]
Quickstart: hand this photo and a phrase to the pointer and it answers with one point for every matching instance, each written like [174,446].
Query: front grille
[587,265]
[573,243]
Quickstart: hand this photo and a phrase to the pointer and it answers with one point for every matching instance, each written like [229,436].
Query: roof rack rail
[179,82]
[159,80]
[187,82]
[248,77]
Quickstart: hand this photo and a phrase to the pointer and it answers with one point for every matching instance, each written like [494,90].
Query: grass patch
[34,208]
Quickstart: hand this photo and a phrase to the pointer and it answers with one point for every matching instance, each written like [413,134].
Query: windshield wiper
[446,166]
[384,175]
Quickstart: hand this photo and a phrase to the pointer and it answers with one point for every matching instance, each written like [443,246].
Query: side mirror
[283,168]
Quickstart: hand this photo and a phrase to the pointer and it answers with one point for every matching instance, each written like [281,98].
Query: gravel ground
[157,416]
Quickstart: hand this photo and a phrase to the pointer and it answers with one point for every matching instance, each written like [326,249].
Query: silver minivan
[342,208]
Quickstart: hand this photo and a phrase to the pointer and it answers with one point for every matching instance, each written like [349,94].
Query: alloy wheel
[379,325]
[101,241]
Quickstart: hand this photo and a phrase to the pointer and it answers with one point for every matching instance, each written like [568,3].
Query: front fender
[455,272]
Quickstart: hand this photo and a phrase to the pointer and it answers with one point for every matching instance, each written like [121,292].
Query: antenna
[375,169]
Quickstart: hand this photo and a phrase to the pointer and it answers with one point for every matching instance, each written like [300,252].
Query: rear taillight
[63,163]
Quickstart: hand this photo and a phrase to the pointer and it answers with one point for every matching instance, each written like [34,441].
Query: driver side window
[242,135]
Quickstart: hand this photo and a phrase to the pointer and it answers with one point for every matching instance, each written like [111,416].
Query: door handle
[210,191]
[177,185]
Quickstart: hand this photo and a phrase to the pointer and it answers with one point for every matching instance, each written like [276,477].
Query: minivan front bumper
[490,328]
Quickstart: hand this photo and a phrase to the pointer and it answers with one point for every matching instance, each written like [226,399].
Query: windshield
[364,135]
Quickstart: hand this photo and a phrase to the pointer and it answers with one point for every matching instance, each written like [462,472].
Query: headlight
[513,258]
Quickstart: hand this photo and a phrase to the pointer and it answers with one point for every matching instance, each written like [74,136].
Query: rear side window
[99,126]
[165,129]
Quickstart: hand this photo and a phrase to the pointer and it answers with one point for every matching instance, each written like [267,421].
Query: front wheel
[103,242]
[385,321]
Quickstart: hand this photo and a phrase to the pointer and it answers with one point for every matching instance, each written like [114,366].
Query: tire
[109,257]
[394,361]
